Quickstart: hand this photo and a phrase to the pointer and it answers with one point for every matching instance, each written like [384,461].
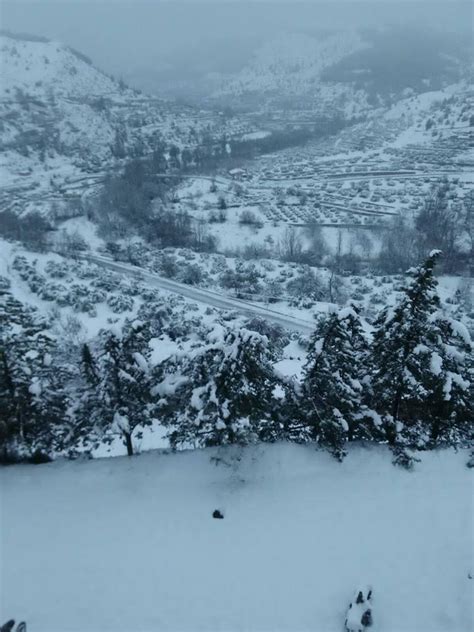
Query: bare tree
[291,245]
[318,246]
[335,267]
[399,249]
[439,227]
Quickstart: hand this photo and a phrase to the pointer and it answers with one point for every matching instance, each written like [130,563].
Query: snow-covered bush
[27,272]
[272,291]
[357,295]
[245,279]
[149,294]
[85,271]
[53,292]
[129,288]
[5,283]
[376,299]
[108,281]
[119,303]
[191,274]
[57,270]
[168,266]
[249,218]
[306,288]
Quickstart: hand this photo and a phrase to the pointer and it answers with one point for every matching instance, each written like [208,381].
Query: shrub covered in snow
[306,287]
[119,303]
[57,270]
[191,274]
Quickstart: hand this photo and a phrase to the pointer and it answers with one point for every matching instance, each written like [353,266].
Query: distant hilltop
[28,37]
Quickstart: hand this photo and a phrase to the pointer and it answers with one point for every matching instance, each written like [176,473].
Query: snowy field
[130,544]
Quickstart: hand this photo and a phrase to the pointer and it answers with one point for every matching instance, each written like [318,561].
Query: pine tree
[449,406]
[228,394]
[88,422]
[33,401]
[332,385]
[118,394]
[420,380]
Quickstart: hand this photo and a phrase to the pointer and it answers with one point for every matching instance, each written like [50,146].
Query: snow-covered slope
[434,116]
[130,544]
[347,73]
[293,63]
[61,117]
[290,66]
[35,66]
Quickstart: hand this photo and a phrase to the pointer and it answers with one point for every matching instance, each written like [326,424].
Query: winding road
[206,297]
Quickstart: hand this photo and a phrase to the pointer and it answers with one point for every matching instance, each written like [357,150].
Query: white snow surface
[32,64]
[130,543]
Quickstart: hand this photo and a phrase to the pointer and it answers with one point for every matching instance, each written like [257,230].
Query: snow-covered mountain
[346,73]
[37,66]
[62,119]
[292,62]
[290,66]
[437,123]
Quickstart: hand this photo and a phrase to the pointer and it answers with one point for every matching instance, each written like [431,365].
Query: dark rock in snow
[359,614]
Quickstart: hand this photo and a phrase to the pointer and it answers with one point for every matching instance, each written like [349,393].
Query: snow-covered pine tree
[33,400]
[291,420]
[332,383]
[420,378]
[88,423]
[118,397]
[450,400]
[228,393]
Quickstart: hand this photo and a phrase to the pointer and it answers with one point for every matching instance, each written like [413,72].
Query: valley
[236,321]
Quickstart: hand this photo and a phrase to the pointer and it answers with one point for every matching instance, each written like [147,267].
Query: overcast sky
[125,36]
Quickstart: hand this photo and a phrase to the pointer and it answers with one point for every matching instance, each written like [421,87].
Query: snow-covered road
[207,297]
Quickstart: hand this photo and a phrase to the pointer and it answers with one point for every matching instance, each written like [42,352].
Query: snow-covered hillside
[36,65]
[62,118]
[290,65]
[346,73]
[292,62]
[130,544]
[434,116]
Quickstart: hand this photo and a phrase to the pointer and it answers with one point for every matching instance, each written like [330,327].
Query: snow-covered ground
[130,544]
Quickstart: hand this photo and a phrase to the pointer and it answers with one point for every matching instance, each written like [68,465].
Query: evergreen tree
[228,394]
[33,400]
[449,406]
[88,423]
[420,380]
[332,384]
[118,397]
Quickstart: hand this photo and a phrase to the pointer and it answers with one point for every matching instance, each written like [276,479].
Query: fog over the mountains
[150,43]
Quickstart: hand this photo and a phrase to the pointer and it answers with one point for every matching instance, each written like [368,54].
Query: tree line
[404,380]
